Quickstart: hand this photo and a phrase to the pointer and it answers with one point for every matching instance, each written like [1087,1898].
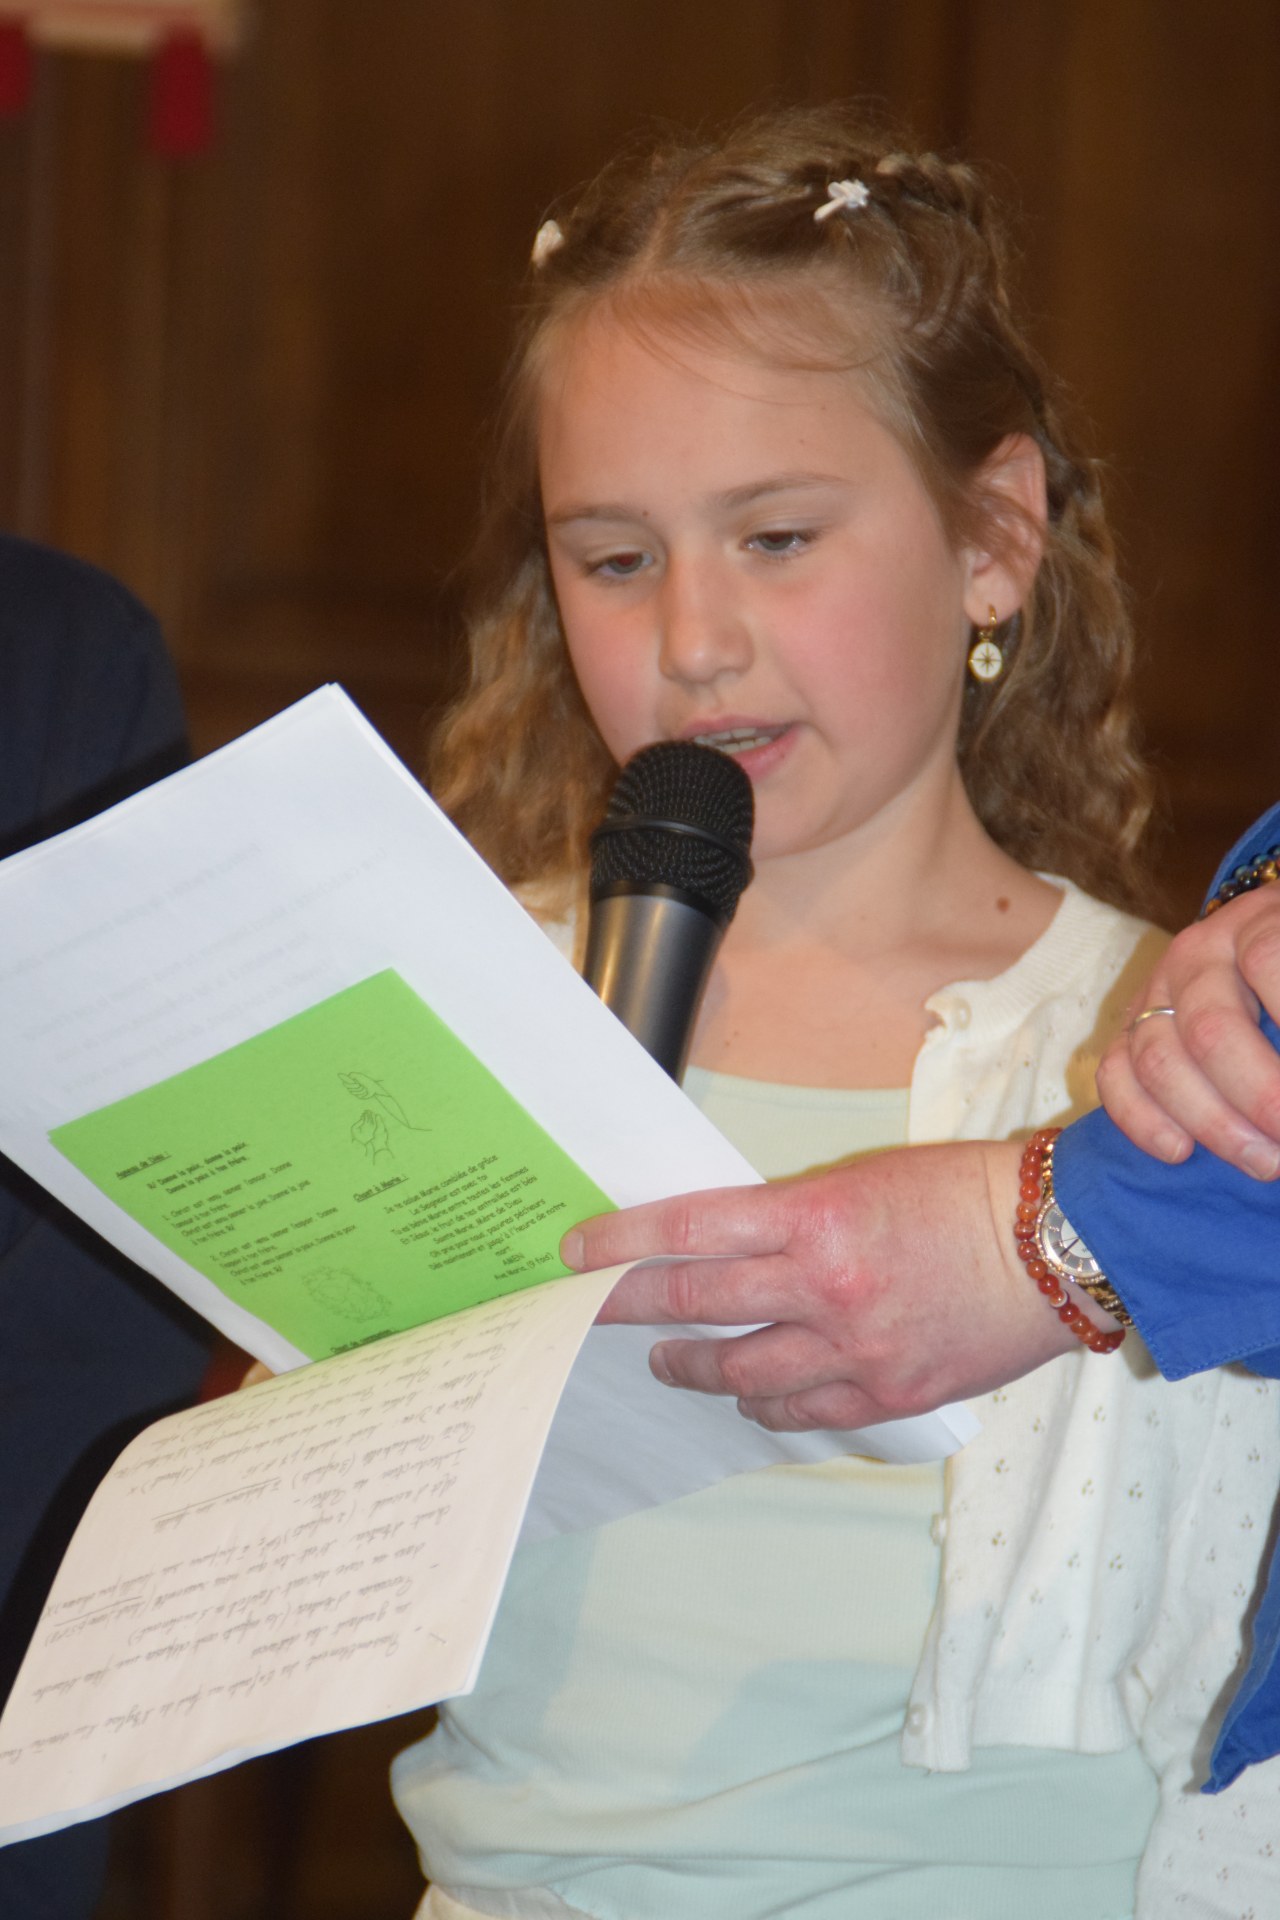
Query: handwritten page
[317,1552]
[330,1548]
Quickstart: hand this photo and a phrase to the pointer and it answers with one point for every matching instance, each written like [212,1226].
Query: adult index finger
[723,1220]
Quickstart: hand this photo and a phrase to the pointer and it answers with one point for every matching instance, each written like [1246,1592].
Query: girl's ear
[1013,508]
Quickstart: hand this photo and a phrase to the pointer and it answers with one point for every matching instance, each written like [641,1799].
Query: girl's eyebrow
[734,497]
[606,510]
[779,483]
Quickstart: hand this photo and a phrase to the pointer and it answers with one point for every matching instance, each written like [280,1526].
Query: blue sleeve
[1194,1250]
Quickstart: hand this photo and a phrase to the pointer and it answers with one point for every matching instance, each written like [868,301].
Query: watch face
[1062,1246]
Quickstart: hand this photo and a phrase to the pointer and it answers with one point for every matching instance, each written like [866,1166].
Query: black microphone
[668,863]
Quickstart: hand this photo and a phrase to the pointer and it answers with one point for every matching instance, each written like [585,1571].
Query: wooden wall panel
[1173,140]
[1145,138]
[255,385]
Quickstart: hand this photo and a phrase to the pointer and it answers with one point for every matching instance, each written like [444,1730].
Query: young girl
[780,474]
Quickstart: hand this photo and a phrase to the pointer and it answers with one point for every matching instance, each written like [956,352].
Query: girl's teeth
[738,739]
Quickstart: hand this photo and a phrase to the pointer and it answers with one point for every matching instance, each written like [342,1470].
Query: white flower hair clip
[547,240]
[847,196]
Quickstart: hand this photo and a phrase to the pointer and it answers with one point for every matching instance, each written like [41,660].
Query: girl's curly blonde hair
[719,239]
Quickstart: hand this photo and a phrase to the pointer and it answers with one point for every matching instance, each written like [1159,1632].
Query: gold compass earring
[986,660]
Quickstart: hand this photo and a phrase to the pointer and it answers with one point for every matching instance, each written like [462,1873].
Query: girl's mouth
[735,740]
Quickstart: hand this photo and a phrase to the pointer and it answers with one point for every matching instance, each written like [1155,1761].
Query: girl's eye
[620,566]
[779,541]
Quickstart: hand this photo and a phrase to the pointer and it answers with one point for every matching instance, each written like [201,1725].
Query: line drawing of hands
[363,1086]
[370,1134]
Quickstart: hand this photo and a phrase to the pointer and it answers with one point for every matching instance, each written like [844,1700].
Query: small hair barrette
[547,240]
[847,196]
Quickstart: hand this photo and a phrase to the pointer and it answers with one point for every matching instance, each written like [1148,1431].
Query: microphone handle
[648,957]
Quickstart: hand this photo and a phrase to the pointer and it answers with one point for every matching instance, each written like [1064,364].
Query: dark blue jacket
[90,1350]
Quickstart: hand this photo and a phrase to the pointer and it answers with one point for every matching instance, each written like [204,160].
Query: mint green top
[694,1713]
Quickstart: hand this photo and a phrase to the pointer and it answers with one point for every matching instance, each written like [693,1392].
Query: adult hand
[889,1287]
[1204,1072]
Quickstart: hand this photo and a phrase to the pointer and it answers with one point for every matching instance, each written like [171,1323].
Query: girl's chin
[787,829]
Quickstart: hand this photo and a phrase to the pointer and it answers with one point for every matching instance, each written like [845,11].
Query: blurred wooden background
[254,386]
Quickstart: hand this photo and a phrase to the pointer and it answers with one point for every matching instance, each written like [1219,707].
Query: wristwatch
[1066,1255]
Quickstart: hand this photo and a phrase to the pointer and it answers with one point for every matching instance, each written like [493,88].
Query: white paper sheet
[189,1626]
[294,863]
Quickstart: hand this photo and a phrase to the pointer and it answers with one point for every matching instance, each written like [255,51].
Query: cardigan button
[917,1719]
[938,1529]
[961,1013]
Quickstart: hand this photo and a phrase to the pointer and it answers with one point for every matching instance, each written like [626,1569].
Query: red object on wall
[180,110]
[15,68]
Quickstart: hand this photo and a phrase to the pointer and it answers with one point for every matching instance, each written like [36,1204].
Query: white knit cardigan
[1104,1535]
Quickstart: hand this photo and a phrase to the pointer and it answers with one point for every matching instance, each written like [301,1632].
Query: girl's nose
[703,630]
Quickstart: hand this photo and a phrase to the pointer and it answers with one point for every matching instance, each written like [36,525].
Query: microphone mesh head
[671,785]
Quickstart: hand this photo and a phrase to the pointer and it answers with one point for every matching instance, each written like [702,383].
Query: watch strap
[1096,1285]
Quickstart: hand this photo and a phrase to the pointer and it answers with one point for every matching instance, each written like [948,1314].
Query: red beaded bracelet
[1032,1197]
